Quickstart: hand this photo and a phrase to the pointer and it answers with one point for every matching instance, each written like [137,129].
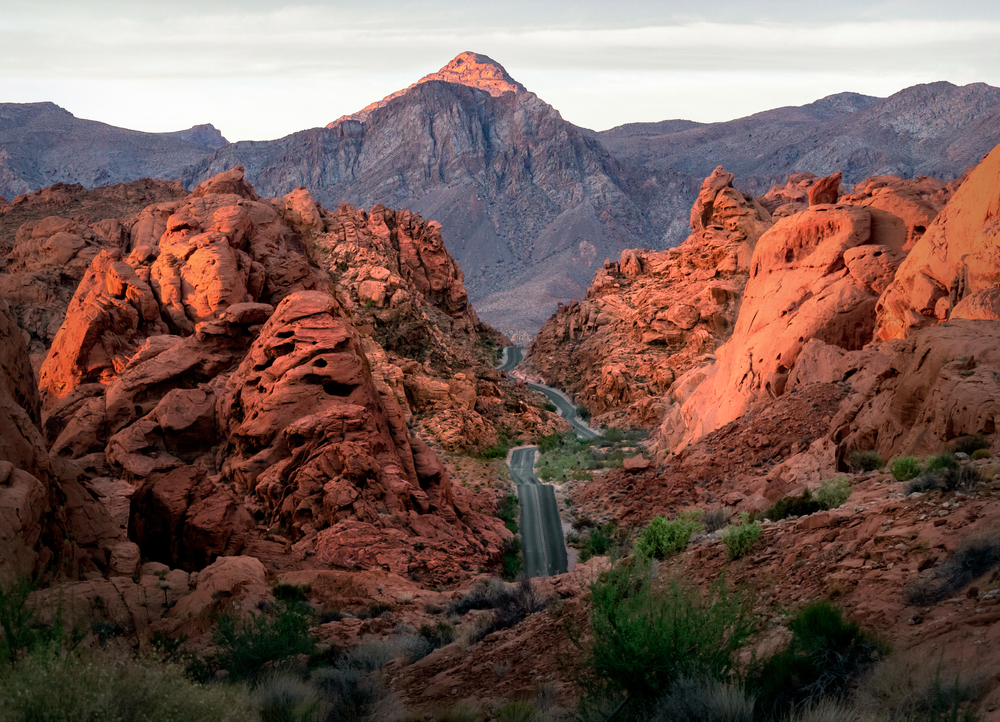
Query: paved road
[541,529]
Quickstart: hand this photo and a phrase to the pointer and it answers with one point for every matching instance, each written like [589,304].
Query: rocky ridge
[211,391]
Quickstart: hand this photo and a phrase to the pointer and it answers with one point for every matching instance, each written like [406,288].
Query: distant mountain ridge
[938,129]
[530,204]
[42,144]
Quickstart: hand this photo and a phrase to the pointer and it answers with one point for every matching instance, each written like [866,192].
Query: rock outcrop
[203,397]
[953,271]
[657,316]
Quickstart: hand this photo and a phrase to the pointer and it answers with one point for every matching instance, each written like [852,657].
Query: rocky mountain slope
[42,144]
[937,129]
[531,205]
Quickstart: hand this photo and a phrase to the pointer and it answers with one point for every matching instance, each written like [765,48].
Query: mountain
[938,130]
[531,204]
[42,144]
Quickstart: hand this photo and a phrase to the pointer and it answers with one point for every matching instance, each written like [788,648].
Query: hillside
[938,130]
[42,144]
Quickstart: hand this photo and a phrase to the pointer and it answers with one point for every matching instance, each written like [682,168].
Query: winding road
[541,529]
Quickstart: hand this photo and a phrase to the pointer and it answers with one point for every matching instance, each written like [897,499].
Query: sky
[260,70]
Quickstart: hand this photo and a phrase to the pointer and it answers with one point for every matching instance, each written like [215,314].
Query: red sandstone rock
[953,260]
[825,190]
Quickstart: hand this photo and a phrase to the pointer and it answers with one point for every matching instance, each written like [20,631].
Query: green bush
[905,468]
[508,512]
[941,461]
[865,460]
[980,454]
[550,407]
[291,592]
[101,686]
[512,561]
[614,434]
[646,639]
[663,538]
[801,505]
[600,540]
[497,451]
[970,444]
[740,537]
[519,711]
[439,634]
[583,412]
[825,655]
[247,644]
[833,492]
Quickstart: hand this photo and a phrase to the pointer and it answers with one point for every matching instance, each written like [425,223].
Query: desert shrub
[583,412]
[801,505]
[515,603]
[511,561]
[247,644]
[350,694]
[439,634]
[946,478]
[550,407]
[508,512]
[970,444]
[600,540]
[833,492]
[900,689]
[703,699]
[330,615]
[614,434]
[974,557]
[715,520]
[486,594]
[740,537]
[432,608]
[663,538]
[497,451]
[518,711]
[284,697]
[550,443]
[291,592]
[102,686]
[868,460]
[22,631]
[645,639]
[980,454]
[941,461]
[825,655]
[905,468]
[374,610]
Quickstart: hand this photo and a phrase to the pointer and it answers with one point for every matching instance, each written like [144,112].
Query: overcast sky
[260,70]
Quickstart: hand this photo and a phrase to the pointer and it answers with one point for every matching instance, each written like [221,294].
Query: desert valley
[452,410]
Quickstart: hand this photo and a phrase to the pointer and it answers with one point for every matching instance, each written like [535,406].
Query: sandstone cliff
[209,390]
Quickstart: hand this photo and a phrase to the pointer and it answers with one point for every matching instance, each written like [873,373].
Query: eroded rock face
[656,315]
[953,271]
[199,395]
[427,348]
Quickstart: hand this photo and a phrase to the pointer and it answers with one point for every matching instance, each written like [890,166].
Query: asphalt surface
[542,541]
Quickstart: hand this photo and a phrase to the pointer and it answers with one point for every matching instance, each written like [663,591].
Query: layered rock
[953,271]
[428,349]
[657,315]
[201,399]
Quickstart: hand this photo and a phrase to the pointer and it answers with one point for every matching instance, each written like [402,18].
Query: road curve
[544,546]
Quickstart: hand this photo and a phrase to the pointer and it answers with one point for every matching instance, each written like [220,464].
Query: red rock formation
[198,374]
[952,271]
[825,190]
[656,315]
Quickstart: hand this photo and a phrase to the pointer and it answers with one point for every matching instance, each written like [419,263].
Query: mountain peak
[468,68]
[477,71]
